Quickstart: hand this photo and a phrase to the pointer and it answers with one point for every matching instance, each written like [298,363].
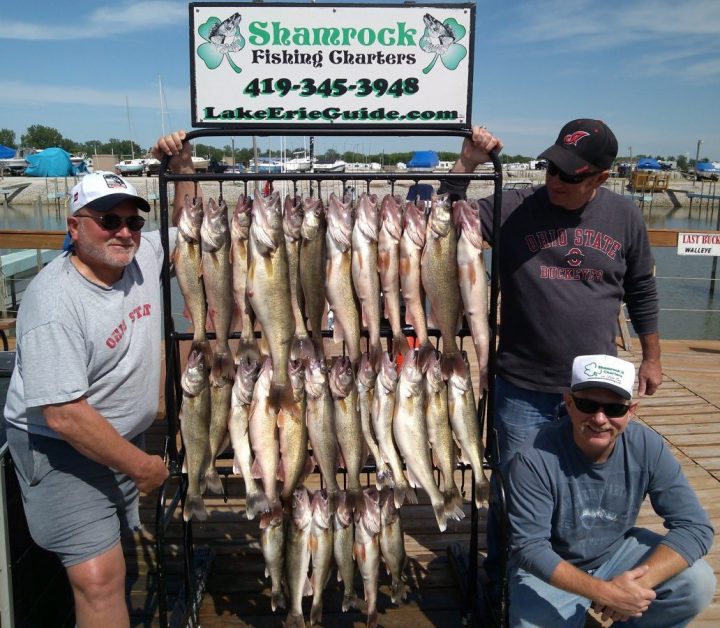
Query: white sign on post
[348,66]
[698,244]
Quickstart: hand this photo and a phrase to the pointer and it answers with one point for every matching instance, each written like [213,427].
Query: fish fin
[281,397]
[383,475]
[350,600]
[440,516]
[425,352]
[398,592]
[400,345]
[257,503]
[302,348]
[376,357]
[356,500]
[372,620]
[256,470]
[452,498]
[307,587]
[294,621]
[482,491]
[412,479]
[401,494]
[277,600]
[452,363]
[359,552]
[194,507]
[316,613]
[213,482]
[332,495]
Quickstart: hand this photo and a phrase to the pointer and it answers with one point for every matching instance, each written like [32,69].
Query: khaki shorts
[74,507]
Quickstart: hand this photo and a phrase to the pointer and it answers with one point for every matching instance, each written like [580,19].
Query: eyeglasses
[113,222]
[610,410]
[554,171]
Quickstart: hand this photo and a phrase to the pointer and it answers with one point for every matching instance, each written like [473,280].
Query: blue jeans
[534,602]
[518,413]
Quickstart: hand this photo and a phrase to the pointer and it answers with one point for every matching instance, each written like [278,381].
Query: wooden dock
[685,411]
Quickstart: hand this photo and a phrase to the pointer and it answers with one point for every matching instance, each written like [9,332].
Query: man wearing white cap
[574,494]
[85,388]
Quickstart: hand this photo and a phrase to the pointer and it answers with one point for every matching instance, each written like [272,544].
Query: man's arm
[93,436]
[180,153]
[650,371]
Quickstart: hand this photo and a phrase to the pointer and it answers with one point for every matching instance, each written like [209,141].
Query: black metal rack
[196,564]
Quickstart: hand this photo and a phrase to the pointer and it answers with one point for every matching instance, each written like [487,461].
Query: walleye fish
[238,425]
[272,541]
[412,243]
[411,434]
[264,435]
[365,270]
[268,287]
[366,391]
[366,550]
[321,551]
[187,258]
[343,540]
[220,399]
[439,433]
[439,36]
[388,261]
[464,422]
[195,427]
[392,545]
[473,282]
[312,268]
[338,276]
[243,316]
[348,427]
[297,556]
[295,464]
[222,31]
[439,274]
[217,279]
[321,426]
[292,224]
[382,419]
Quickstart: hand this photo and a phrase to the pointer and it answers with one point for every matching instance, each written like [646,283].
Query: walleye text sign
[698,243]
[345,66]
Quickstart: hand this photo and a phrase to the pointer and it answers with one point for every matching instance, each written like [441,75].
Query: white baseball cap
[603,371]
[103,191]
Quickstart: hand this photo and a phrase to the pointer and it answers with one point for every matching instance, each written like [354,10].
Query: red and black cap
[582,144]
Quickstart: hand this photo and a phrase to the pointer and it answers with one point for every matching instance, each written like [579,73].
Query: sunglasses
[610,410]
[113,222]
[554,171]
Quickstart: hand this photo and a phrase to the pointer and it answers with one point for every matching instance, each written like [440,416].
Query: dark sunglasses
[554,171]
[610,410]
[113,222]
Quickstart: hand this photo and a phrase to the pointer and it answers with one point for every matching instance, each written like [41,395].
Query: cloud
[103,22]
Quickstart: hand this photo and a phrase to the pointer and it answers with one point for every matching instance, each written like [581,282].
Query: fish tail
[302,348]
[294,621]
[202,347]
[452,498]
[398,592]
[401,494]
[194,507]
[384,476]
[249,350]
[316,613]
[332,495]
[281,396]
[213,482]
[482,491]
[376,357]
[372,620]
[356,500]
[223,368]
[400,345]
[256,503]
[277,600]
[425,352]
[350,600]
[452,363]
[440,516]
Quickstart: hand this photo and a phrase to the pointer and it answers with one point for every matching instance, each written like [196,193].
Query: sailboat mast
[132,144]
[162,107]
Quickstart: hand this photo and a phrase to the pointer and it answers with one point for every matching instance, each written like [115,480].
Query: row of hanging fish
[281,266]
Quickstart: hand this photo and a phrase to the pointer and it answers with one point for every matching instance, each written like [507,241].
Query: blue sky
[649,68]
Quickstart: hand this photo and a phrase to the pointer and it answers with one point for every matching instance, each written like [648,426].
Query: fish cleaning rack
[196,561]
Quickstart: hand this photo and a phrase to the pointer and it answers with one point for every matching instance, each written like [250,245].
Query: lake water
[688,310]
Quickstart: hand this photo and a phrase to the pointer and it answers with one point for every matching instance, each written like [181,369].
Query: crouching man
[574,494]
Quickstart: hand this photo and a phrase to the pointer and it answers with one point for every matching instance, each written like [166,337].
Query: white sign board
[350,66]
[698,243]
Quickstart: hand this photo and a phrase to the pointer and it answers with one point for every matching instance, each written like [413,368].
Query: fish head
[466,217]
[440,221]
[366,219]
[246,374]
[433,373]
[391,216]
[226,27]
[215,231]
[370,518]
[321,509]
[460,378]
[241,218]
[301,508]
[292,217]
[340,221]
[343,513]
[409,372]
[414,224]
[196,374]
[191,218]
[313,218]
[388,375]
[316,381]
[366,372]
[296,372]
[266,224]
[341,377]
[388,511]
[266,373]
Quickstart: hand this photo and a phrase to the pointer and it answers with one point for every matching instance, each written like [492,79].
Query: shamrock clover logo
[440,39]
[222,38]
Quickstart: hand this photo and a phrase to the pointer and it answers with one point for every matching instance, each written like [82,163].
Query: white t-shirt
[77,339]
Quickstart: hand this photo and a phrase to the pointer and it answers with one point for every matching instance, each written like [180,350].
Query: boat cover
[648,164]
[6,152]
[51,162]
[424,159]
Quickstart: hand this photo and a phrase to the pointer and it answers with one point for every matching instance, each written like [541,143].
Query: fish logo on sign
[440,39]
[222,39]
[574,138]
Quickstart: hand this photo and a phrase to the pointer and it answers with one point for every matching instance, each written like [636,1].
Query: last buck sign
[324,65]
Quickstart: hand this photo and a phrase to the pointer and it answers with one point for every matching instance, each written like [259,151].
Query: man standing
[571,253]
[575,491]
[86,386]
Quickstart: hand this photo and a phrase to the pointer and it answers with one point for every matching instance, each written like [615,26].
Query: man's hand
[179,151]
[649,377]
[623,596]
[476,150]
[151,474]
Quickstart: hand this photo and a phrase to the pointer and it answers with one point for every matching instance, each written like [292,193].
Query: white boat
[200,163]
[299,163]
[707,170]
[337,166]
[265,165]
[152,166]
[127,167]
[16,164]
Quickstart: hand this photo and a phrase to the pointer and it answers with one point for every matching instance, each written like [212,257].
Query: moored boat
[127,167]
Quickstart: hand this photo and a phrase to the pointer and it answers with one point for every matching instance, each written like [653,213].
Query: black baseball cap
[582,144]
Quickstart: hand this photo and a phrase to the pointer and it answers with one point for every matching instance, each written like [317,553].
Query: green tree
[39,136]
[7,138]
[682,162]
